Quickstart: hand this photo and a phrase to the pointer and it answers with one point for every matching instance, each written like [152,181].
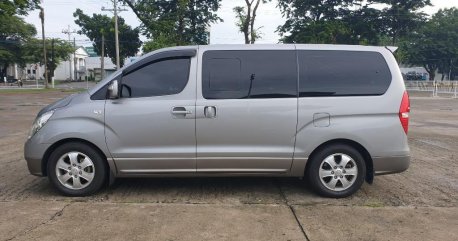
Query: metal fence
[436,88]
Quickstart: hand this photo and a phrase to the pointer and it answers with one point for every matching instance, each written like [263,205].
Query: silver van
[335,115]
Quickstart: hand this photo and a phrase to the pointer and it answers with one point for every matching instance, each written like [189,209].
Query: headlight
[40,122]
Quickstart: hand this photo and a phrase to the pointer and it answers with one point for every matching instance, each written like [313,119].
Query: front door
[246,111]
[152,128]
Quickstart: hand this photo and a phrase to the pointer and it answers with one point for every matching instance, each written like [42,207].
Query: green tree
[101,25]
[246,17]
[175,22]
[332,21]
[365,25]
[56,51]
[434,46]
[17,7]
[401,17]
[159,42]
[14,31]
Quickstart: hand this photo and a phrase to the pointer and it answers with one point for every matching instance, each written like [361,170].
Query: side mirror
[113,90]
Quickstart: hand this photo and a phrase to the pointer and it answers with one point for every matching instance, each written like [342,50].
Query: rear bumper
[390,165]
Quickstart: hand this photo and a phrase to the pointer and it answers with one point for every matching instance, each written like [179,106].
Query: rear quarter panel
[372,121]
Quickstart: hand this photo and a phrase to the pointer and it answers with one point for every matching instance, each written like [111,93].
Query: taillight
[404,111]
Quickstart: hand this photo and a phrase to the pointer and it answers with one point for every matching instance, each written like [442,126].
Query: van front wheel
[336,171]
[76,169]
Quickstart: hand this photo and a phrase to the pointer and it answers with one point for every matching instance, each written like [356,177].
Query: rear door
[246,110]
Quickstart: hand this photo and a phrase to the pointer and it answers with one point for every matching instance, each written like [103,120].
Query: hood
[58,104]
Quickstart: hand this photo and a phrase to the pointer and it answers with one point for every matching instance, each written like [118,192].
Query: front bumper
[390,165]
[33,154]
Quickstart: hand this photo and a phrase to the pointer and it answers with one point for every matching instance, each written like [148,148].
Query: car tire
[336,171]
[76,169]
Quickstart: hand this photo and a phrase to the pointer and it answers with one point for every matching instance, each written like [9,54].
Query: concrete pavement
[58,220]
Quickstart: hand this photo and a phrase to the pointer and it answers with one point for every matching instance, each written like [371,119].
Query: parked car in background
[8,80]
[412,75]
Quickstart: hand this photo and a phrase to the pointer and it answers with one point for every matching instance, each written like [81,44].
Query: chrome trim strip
[206,158]
[149,158]
[158,171]
[252,170]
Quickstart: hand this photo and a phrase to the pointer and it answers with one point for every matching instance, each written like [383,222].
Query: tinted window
[101,94]
[163,77]
[342,73]
[249,74]
[225,74]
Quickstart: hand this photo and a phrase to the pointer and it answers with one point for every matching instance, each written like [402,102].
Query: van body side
[329,112]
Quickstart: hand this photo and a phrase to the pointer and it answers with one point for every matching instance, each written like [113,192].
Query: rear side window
[249,74]
[342,73]
[163,77]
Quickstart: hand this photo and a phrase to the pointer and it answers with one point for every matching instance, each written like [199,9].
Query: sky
[59,15]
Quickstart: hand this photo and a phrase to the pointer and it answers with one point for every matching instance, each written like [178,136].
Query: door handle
[180,111]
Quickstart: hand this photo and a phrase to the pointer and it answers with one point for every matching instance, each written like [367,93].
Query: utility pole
[75,59]
[52,50]
[52,61]
[42,17]
[102,58]
[69,33]
[115,10]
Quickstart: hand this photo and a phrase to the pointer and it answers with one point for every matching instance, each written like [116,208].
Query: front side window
[342,73]
[241,74]
[163,77]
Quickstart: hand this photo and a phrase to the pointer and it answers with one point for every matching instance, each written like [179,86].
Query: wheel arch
[360,148]
[44,161]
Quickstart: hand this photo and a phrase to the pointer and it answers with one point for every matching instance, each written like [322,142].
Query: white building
[29,72]
[93,66]
[66,69]
[84,61]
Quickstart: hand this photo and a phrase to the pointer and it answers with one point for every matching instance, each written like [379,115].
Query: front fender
[91,130]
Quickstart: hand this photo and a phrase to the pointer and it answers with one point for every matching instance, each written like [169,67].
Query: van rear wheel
[76,169]
[336,171]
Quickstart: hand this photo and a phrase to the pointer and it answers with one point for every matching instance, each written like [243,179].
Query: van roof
[278,47]
[292,46]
